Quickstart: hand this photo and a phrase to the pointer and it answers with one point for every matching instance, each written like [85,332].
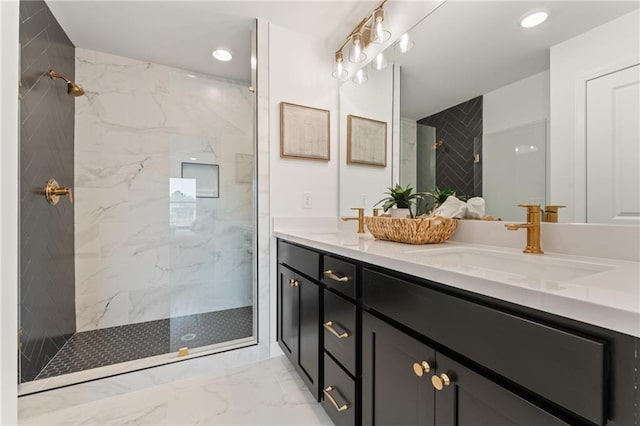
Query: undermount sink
[511,266]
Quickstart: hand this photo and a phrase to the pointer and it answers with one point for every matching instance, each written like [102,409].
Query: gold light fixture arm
[359,27]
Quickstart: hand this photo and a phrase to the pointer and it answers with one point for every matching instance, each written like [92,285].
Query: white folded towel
[452,208]
[475,208]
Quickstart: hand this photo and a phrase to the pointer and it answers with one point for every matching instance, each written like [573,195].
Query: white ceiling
[183,34]
[467,48]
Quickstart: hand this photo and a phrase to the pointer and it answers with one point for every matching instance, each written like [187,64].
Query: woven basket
[424,230]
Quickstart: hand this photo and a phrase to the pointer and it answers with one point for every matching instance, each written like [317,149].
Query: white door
[613,148]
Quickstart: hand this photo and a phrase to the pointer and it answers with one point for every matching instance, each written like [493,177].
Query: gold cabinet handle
[330,274]
[293,283]
[329,326]
[53,191]
[327,392]
[439,382]
[421,368]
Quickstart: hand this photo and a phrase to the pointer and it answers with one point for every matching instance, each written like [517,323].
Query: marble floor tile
[264,393]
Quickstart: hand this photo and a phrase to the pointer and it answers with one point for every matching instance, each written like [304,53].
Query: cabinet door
[309,332]
[470,399]
[288,312]
[396,389]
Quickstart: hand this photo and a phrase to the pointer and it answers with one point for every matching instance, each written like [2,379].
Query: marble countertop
[607,295]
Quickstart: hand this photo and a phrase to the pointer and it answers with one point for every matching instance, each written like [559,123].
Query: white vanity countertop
[602,292]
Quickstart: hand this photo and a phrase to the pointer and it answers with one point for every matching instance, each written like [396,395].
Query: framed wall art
[366,141]
[304,132]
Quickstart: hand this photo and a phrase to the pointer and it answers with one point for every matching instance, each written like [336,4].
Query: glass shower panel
[426,170]
[514,169]
[211,256]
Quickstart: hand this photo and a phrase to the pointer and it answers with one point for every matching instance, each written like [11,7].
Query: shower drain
[188,337]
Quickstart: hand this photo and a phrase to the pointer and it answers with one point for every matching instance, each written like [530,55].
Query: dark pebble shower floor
[108,346]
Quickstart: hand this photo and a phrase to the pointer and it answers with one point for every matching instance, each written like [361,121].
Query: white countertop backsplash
[609,299]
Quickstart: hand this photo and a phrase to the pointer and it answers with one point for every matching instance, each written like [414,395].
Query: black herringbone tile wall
[457,127]
[47,276]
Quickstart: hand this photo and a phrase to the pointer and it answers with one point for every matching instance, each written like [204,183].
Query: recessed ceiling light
[193,158]
[222,55]
[534,18]
[191,76]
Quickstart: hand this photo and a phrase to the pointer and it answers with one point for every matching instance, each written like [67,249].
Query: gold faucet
[550,213]
[360,219]
[532,226]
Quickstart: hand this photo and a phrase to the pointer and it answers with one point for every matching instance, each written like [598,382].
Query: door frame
[580,138]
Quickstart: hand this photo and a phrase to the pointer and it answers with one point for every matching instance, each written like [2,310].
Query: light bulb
[378,33]
[356,53]
[379,62]
[405,43]
[338,67]
[360,76]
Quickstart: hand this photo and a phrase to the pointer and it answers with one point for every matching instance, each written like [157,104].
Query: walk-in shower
[148,252]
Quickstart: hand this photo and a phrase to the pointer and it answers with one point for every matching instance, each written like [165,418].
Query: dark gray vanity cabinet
[299,304]
[394,349]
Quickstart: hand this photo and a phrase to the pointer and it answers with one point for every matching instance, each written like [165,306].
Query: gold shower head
[72,88]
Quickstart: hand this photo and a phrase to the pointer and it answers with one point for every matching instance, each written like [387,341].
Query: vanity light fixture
[338,67]
[369,30]
[356,49]
[360,76]
[222,55]
[378,34]
[533,18]
[405,43]
[379,62]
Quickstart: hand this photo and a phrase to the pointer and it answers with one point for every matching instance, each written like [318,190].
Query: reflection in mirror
[362,184]
[514,114]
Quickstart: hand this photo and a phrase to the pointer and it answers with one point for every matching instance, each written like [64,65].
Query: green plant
[441,195]
[401,197]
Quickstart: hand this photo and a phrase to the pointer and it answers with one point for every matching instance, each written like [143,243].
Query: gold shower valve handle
[53,191]
[441,381]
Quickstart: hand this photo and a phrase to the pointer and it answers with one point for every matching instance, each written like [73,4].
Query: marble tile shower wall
[135,261]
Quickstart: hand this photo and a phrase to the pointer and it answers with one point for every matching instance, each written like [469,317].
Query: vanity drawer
[299,258]
[340,276]
[565,368]
[340,330]
[339,386]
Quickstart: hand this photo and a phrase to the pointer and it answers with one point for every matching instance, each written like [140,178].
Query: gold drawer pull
[340,278]
[327,392]
[329,326]
[420,368]
[439,382]
[293,283]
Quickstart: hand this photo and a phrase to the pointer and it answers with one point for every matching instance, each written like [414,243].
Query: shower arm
[55,75]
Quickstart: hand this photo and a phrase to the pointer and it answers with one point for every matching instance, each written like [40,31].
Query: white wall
[362,185]
[512,116]
[141,253]
[300,73]
[518,103]
[9,77]
[604,49]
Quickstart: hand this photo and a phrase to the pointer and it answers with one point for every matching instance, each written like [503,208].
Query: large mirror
[541,115]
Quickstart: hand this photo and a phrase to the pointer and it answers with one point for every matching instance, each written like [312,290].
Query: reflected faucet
[360,219]
[532,226]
